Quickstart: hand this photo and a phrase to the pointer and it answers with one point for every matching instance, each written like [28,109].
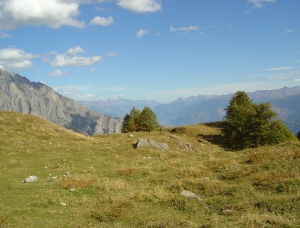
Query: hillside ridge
[20,95]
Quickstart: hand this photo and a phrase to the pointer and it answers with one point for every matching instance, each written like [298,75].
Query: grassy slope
[119,186]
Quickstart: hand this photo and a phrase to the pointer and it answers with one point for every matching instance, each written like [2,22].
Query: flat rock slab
[150,143]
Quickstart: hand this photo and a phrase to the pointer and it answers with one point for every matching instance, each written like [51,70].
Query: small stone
[226,212]
[205,178]
[30,179]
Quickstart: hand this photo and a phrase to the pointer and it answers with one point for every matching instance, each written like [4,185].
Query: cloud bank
[15,59]
[71,59]
[53,13]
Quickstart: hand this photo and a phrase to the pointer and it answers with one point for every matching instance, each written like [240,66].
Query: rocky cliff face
[18,94]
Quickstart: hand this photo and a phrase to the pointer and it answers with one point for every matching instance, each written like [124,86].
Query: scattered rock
[72,189]
[30,179]
[203,141]
[150,143]
[226,212]
[184,145]
[205,178]
[189,194]
[63,204]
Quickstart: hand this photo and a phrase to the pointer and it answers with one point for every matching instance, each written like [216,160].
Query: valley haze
[152,49]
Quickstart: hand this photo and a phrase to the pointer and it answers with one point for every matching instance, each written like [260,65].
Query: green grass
[119,186]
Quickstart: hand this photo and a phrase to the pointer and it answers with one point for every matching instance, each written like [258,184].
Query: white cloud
[102,21]
[86,96]
[297,80]
[258,4]
[101,1]
[57,73]
[70,59]
[141,33]
[4,35]
[279,68]
[140,6]
[76,92]
[53,13]
[184,29]
[63,61]
[289,31]
[15,59]
[74,51]
[279,77]
[111,54]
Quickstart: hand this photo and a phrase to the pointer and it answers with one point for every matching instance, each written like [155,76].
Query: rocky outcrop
[18,94]
[151,143]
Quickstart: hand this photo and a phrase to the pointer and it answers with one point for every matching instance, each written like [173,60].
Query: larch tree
[248,125]
[140,121]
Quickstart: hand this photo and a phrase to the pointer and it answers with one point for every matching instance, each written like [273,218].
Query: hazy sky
[152,49]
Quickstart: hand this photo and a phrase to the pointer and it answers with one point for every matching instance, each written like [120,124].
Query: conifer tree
[298,135]
[250,125]
[147,120]
[140,121]
[125,124]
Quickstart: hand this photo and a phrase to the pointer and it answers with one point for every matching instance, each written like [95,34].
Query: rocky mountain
[18,94]
[202,109]
[117,106]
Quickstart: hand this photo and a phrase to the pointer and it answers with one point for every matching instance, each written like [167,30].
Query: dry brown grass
[119,186]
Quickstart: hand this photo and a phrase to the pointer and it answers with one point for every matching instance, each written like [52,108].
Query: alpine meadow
[149,114]
[102,181]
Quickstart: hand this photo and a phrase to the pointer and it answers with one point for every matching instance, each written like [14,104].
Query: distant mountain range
[211,108]
[204,108]
[18,94]
[288,109]
[117,106]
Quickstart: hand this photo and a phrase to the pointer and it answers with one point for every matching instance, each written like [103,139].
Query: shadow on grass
[216,139]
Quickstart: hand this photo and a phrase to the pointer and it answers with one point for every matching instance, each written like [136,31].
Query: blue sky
[152,49]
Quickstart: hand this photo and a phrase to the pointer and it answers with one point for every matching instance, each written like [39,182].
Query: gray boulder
[151,143]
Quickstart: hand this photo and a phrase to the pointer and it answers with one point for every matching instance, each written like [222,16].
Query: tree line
[137,120]
[246,124]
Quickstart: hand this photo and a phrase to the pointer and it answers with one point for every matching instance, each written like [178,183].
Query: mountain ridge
[21,95]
